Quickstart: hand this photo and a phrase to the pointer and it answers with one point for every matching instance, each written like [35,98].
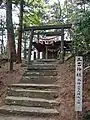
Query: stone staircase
[36,94]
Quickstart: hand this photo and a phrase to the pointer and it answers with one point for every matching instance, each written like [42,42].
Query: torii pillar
[62,45]
[30,46]
[38,42]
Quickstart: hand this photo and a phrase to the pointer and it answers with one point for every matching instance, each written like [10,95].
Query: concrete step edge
[30,90]
[33,85]
[30,99]
[31,111]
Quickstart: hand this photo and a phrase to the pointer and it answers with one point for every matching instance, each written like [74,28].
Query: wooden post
[52,55]
[38,42]
[62,45]
[46,52]
[34,55]
[43,54]
[30,46]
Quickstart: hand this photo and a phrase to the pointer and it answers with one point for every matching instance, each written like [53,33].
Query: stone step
[41,67]
[30,102]
[35,86]
[41,73]
[44,61]
[32,93]
[39,79]
[47,65]
[28,111]
[23,117]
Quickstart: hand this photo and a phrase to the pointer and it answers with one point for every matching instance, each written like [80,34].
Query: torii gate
[48,27]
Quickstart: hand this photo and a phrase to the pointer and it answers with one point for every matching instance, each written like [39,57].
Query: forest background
[42,12]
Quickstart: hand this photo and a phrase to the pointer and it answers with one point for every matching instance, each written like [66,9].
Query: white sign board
[78,83]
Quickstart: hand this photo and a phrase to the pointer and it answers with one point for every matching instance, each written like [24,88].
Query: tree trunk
[10,30]
[20,34]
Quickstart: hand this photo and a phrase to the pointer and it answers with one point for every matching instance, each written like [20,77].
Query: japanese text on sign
[78,83]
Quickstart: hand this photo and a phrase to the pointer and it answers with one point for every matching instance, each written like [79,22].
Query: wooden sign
[78,83]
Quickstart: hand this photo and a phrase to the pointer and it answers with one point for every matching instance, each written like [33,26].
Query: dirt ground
[8,77]
[66,81]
